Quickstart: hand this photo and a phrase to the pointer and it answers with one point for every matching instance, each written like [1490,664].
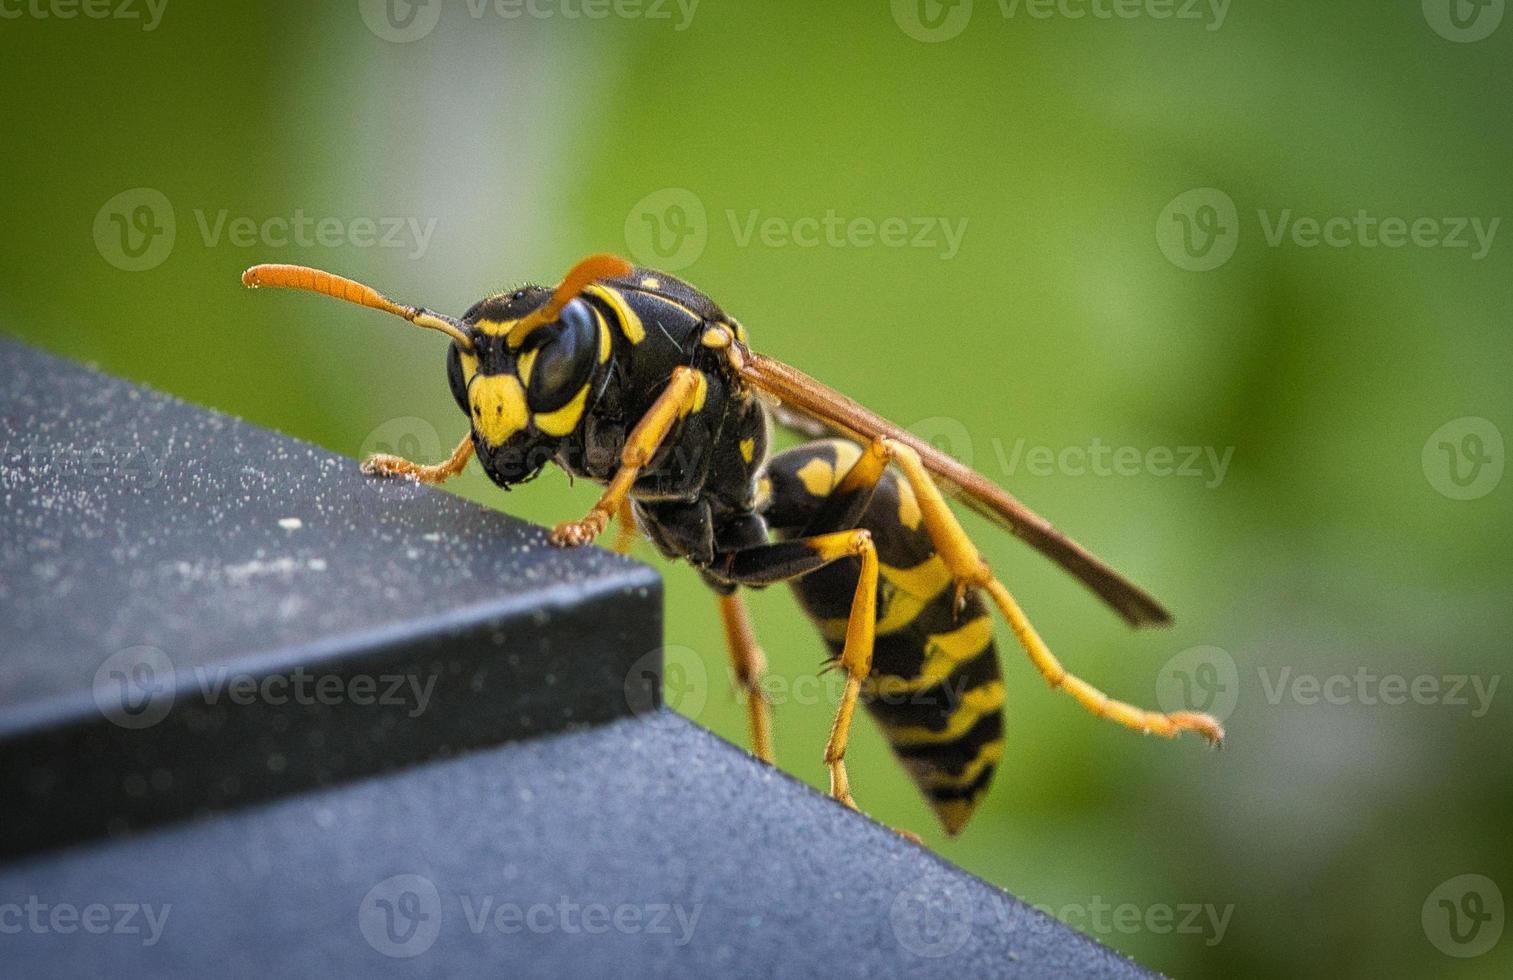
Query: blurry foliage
[1324,550]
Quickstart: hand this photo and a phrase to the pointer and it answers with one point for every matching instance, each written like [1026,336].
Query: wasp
[637,381]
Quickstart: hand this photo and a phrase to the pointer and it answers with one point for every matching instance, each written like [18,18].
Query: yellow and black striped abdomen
[935,688]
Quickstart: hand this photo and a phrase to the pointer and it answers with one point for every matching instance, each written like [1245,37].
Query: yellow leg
[626,532]
[856,656]
[749,664]
[675,402]
[970,571]
[383,464]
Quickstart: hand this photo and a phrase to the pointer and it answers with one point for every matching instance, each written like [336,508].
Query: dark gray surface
[638,846]
[136,527]
[641,814]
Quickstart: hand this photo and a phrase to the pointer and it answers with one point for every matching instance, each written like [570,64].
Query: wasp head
[526,380]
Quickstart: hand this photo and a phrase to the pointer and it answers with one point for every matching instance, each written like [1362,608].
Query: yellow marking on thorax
[748,449]
[604,340]
[498,407]
[565,419]
[650,282]
[630,323]
[974,704]
[495,328]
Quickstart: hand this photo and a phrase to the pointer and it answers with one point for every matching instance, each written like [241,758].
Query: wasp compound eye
[562,365]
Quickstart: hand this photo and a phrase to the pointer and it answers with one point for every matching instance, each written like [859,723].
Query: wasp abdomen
[935,688]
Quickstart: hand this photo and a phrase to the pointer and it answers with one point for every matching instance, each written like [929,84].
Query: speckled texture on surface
[161,552]
[350,839]
[644,847]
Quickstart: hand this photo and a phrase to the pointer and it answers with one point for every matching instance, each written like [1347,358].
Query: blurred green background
[1358,531]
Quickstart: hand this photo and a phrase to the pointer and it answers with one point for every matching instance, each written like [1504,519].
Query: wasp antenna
[340,287]
[578,278]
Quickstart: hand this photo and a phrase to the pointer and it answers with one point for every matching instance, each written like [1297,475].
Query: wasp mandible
[637,381]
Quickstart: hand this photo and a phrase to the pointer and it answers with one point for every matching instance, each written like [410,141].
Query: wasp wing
[803,394]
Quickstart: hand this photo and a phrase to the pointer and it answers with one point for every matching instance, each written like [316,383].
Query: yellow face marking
[498,407]
[974,704]
[495,328]
[650,282]
[527,361]
[748,449]
[469,367]
[565,419]
[630,323]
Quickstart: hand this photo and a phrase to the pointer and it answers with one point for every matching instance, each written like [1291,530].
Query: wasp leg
[626,531]
[769,563]
[675,402]
[749,664]
[970,571]
[383,464]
